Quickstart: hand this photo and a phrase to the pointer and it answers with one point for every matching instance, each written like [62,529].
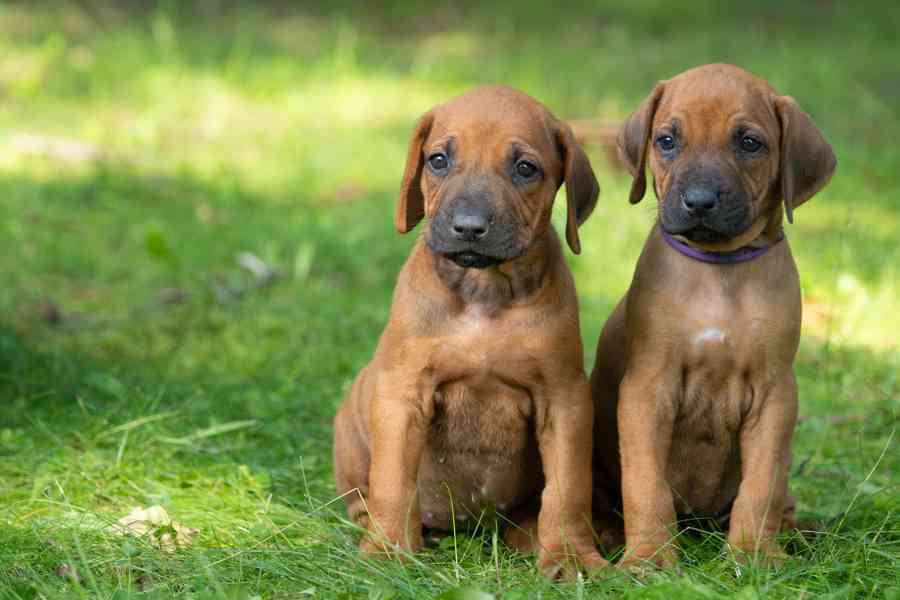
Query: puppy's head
[724,149]
[484,168]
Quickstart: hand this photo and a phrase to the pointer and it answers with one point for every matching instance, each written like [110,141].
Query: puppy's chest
[720,335]
[481,352]
[727,346]
[482,403]
[717,364]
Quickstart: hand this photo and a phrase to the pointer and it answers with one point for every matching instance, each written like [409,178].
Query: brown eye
[438,162]
[750,144]
[525,169]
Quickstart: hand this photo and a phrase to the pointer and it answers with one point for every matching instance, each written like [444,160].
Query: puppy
[694,389]
[476,397]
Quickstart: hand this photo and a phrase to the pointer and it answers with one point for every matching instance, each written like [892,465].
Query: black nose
[700,199]
[468,226]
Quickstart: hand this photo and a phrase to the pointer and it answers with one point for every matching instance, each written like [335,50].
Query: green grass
[143,149]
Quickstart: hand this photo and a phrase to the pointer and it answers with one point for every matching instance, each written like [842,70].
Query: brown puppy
[476,396]
[695,364]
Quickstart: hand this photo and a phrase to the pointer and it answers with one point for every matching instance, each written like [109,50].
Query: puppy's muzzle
[705,207]
[467,231]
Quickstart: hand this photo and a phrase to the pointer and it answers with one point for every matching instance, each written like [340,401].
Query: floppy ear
[633,139]
[582,188]
[807,160]
[411,206]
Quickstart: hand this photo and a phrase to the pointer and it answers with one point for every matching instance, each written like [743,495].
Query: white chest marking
[710,335]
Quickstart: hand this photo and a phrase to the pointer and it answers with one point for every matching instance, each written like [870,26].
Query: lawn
[199,254]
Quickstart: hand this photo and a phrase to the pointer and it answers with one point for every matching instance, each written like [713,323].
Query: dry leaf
[155,523]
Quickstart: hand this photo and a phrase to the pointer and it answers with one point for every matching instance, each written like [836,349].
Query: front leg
[564,434]
[399,425]
[762,499]
[646,416]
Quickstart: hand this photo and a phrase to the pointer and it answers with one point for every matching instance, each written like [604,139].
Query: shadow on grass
[152,313]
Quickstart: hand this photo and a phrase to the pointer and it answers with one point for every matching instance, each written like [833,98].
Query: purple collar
[719,258]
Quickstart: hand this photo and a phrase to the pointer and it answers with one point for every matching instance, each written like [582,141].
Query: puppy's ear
[582,188]
[807,160]
[411,206]
[633,141]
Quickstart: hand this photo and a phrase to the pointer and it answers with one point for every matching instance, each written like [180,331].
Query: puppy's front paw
[374,549]
[641,564]
[377,545]
[766,553]
[562,565]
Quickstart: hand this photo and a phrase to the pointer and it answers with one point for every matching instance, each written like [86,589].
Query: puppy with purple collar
[694,388]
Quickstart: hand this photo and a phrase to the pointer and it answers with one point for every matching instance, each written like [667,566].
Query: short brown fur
[694,389]
[476,396]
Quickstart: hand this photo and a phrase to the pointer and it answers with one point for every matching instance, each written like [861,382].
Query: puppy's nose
[469,226]
[700,199]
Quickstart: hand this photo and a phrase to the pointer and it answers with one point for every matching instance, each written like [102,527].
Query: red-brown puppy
[476,396]
[695,365]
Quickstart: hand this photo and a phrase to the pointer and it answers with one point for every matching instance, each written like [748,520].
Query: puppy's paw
[768,554]
[566,566]
[641,565]
[376,545]
[373,549]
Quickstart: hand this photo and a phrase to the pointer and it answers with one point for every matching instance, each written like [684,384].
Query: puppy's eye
[750,144]
[438,161]
[666,143]
[525,169]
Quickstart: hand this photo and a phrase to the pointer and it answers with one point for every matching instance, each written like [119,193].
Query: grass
[145,147]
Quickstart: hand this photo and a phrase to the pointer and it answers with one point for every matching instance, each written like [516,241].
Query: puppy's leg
[399,425]
[762,500]
[646,417]
[564,432]
[351,465]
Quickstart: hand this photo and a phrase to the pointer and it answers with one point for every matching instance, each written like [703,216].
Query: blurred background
[198,252]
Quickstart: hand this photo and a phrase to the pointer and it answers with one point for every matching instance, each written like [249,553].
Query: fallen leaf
[154,523]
